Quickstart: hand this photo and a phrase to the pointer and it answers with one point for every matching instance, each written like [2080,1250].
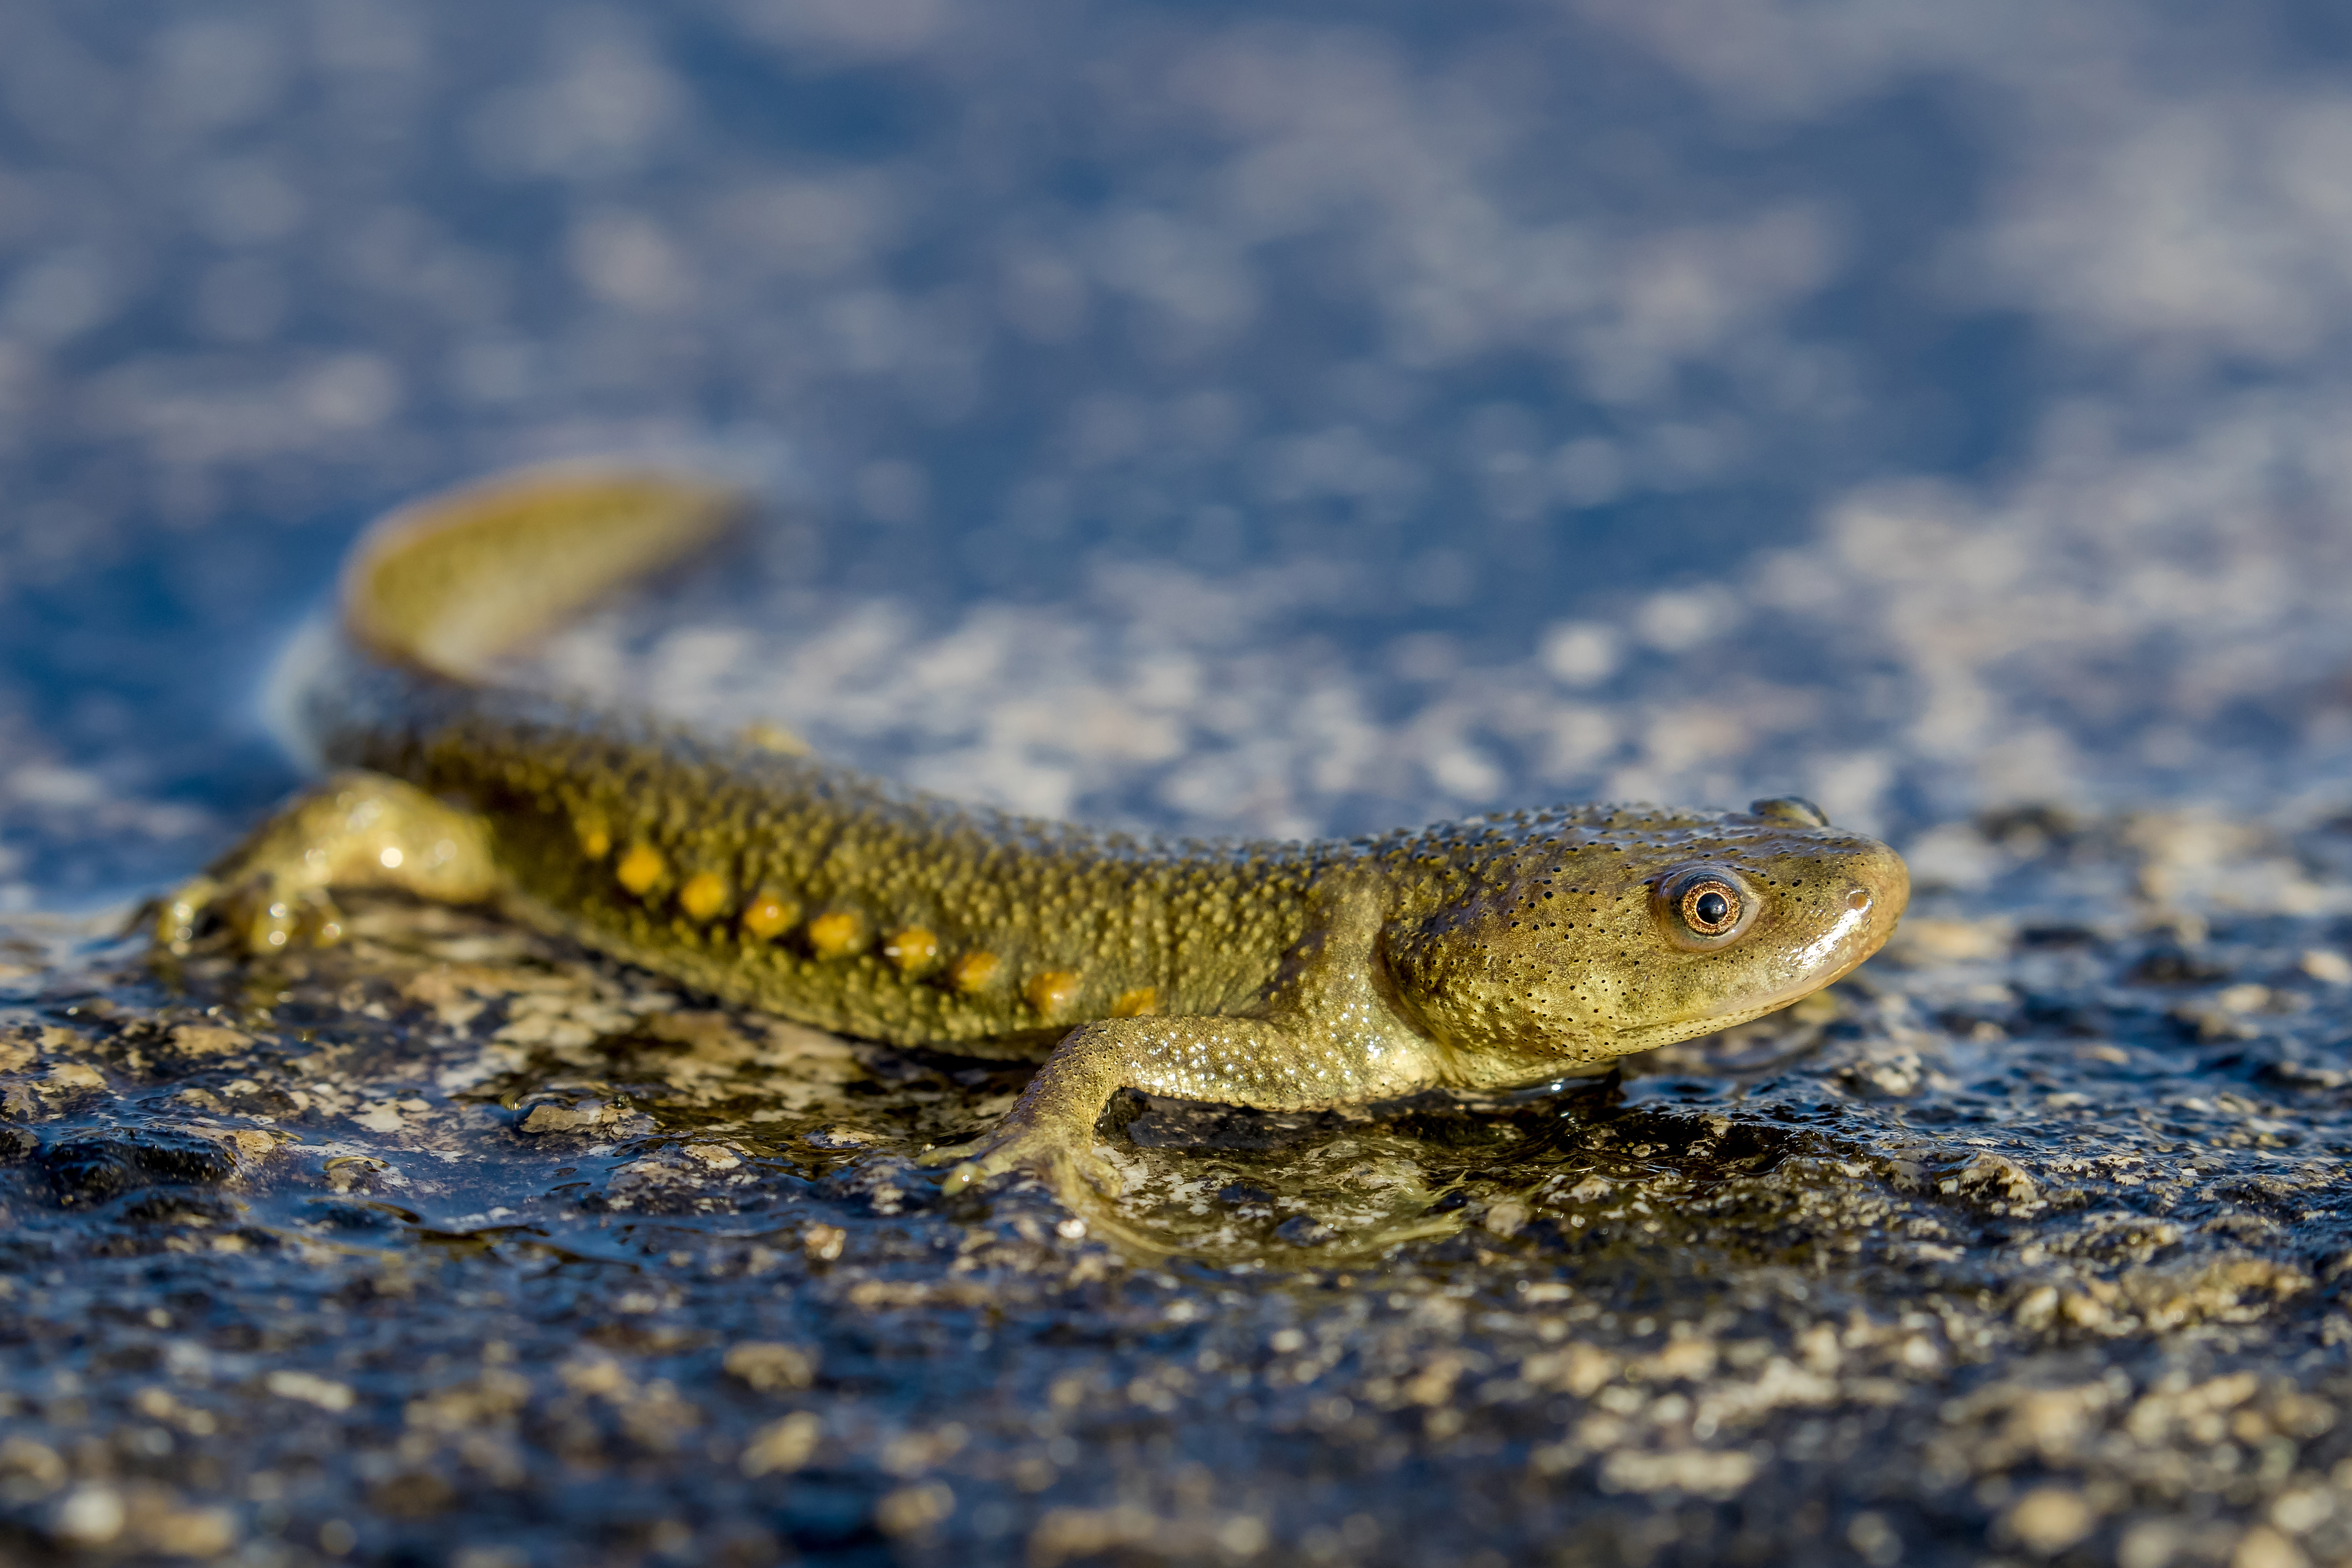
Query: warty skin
[1481,954]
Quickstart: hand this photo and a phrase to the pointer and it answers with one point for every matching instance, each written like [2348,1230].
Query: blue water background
[1492,319]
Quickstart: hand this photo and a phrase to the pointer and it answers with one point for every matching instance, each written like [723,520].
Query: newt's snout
[1883,887]
[1835,901]
[1878,886]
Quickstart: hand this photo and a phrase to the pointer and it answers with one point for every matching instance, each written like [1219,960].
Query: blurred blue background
[1267,418]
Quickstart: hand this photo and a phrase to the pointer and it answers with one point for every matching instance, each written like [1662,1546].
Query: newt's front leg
[1289,1063]
[355,830]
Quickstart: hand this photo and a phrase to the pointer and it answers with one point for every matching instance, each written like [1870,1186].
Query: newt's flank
[1501,951]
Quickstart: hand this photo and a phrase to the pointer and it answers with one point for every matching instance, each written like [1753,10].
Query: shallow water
[1289,421]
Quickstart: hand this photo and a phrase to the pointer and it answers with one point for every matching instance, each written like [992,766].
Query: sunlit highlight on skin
[1818,954]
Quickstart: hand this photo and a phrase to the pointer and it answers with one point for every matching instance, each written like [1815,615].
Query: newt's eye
[1711,909]
[1705,905]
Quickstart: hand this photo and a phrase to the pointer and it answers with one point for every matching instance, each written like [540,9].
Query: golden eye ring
[1706,906]
[1710,908]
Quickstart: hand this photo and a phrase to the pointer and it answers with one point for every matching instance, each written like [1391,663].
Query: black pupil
[1712,908]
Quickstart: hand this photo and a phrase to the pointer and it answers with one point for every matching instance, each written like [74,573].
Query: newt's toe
[967,1173]
[180,914]
[1069,1172]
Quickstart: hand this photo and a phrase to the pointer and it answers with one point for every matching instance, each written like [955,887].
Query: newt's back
[779,879]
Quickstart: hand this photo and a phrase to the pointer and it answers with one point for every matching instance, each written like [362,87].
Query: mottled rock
[1998,1253]
[95,1166]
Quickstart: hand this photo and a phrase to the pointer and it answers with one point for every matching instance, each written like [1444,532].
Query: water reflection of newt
[1501,951]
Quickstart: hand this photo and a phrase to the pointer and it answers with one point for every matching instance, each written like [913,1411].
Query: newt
[1497,951]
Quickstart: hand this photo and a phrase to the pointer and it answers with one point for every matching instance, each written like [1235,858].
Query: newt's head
[1575,937]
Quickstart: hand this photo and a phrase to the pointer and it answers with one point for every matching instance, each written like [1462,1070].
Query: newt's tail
[449,583]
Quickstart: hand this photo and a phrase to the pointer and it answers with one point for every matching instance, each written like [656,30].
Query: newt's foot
[1069,1166]
[354,830]
[261,913]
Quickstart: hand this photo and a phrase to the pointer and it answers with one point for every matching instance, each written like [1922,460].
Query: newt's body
[1283,975]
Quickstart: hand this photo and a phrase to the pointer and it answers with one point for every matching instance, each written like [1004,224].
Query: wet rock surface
[455,1245]
[1277,419]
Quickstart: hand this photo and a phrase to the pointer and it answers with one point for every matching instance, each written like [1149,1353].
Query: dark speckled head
[1591,933]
